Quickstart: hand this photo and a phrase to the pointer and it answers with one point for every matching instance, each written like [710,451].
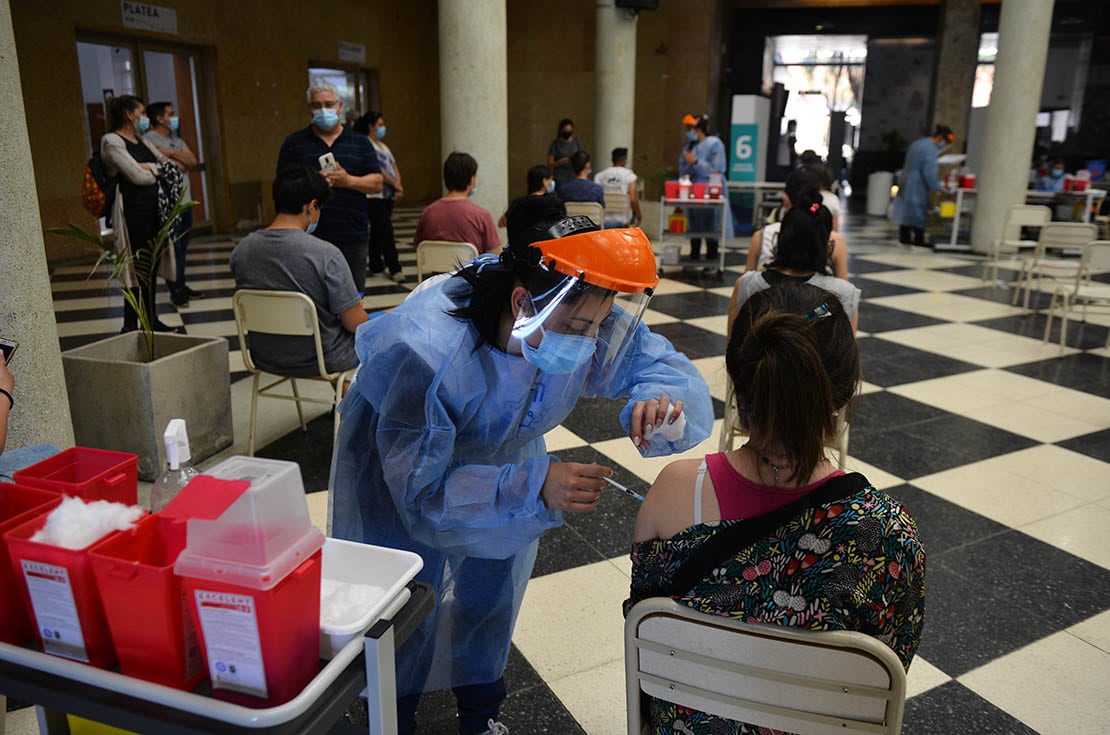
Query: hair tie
[813,208]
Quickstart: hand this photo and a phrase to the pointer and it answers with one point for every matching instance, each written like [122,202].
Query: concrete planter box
[120,401]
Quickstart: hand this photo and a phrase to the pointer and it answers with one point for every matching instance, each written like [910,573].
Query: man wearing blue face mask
[1054,179]
[165,135]
[286,257]
[355,173]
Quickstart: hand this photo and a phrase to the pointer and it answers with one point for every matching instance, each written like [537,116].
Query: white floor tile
[581,604]
[1061,469]
[1080,531]
[925,280]
[952,307]
[652,317]
[923,676]
[561,438]
[1075,404]
[716,324]
[865,388]
[1032,421]
[713,370]
[318,509]
[880,479]
[1094,630]
[948,394]
[1004,384]
[1057,685]
[918,260]
[596,698]
[670,286]
[21,722]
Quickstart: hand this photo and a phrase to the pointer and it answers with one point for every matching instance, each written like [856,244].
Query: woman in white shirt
[803,190]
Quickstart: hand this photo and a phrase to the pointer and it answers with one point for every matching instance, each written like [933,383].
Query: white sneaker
[398,277]
[496,728]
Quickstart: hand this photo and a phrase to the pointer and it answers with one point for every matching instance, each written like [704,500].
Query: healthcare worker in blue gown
[702,157]
[441,447]
[917,181]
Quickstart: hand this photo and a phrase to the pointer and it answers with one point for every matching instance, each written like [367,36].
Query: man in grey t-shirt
[284,257]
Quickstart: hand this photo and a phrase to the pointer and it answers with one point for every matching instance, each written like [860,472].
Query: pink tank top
[739,497]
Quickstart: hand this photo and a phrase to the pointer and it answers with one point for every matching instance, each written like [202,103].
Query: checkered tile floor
[999,446]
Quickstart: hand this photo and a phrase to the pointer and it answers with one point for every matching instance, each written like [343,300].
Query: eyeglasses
[328,104]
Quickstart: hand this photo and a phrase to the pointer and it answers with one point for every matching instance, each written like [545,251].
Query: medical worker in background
[701,158]
[441,448]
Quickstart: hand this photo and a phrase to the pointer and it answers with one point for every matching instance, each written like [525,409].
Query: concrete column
[614,82]
[1011,118]
[954,71]
[26,311]
[474,92]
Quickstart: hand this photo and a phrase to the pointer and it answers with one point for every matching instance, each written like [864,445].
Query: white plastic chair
[1018,216]
[617,206]
[1083,292]
[593,210]
[288,313]
[1038,267]
[442,256]
[731,429]
[799,681]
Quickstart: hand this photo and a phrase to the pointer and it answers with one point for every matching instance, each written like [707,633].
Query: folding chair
[730,429]
[442,256]
[1039,267]
[799,681]
[593,210]
[287,313]
[617,207]
[1019,216]
[1083,291]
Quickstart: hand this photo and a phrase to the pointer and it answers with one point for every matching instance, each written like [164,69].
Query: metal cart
[685,261]
[57,686]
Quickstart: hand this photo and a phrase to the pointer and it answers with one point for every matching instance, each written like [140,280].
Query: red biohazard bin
[252,581]
[18,504]
[137,564]
[670,189]
[89,474]
[59,588]
[699,191]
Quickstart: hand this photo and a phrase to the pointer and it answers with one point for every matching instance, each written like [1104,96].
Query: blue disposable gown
[441,452]
[711,160]
[918,181]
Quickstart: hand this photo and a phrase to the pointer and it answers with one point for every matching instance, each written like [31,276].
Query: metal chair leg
[254,414]
[297,396]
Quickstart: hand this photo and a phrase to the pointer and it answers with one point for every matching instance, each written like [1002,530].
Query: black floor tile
[943,526]
[703,276]
[888,363]
[879,411]
[1081,335]
[902,454]
[608,527]
[876,318]
[1083,371]
[970,440]
[859,264]
[1095,445]
[975,270]
[596,419]
[692,341]
[872,289]
[1037,301]
[310,449]
[563,548]
[691,305]
[953,708]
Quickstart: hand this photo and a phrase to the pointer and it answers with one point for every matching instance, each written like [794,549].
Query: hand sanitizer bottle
[180,470]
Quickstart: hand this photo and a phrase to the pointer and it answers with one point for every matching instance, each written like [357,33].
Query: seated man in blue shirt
[1054,180]
[580,188]
[343,221]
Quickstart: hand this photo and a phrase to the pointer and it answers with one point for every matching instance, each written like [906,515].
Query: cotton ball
[76,524]
[668,431]
[343,604]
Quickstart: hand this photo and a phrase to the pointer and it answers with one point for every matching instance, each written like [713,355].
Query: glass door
[156,74]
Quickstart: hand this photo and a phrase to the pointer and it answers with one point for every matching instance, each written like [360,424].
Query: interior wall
[256,87]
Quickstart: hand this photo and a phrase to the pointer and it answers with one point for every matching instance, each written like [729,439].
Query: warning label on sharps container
[55,610]
[230,628]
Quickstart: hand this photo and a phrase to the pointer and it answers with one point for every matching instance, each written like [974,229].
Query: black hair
[619,154]
[122,105]
[491,286]
[562,124]
[811,161]
[297,185]
[363,124]
[703,123]
[803,187]
[155,110]
[579,161]
[942,131]
[794,361]
[536,175]
[803,242]
[808,156]
[458,169]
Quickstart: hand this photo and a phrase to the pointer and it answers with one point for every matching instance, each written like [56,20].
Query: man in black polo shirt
[343,220]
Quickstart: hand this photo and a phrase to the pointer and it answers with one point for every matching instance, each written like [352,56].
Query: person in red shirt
[454,217]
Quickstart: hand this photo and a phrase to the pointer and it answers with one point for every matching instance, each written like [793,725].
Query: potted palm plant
[124,389]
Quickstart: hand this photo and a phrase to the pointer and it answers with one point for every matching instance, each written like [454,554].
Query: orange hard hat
[689,120]
[618,259]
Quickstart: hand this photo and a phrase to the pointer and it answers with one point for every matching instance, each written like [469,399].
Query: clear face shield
[587,299]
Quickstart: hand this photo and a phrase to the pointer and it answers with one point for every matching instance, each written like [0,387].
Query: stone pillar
[1011,118]
[954,70]
[41,412]
[614,82]
[474,93]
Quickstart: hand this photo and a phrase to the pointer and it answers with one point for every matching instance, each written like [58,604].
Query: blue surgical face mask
[380,132]
[473,191]
[175,124]
[1057,173]
[691,136]
[143,125]
[312,225]
[560,354]
[550,186]
[325,119]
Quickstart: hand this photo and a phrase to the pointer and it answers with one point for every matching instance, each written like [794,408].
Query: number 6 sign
[745,139]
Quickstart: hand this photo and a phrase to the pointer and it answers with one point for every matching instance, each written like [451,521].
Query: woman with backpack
[135,217]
